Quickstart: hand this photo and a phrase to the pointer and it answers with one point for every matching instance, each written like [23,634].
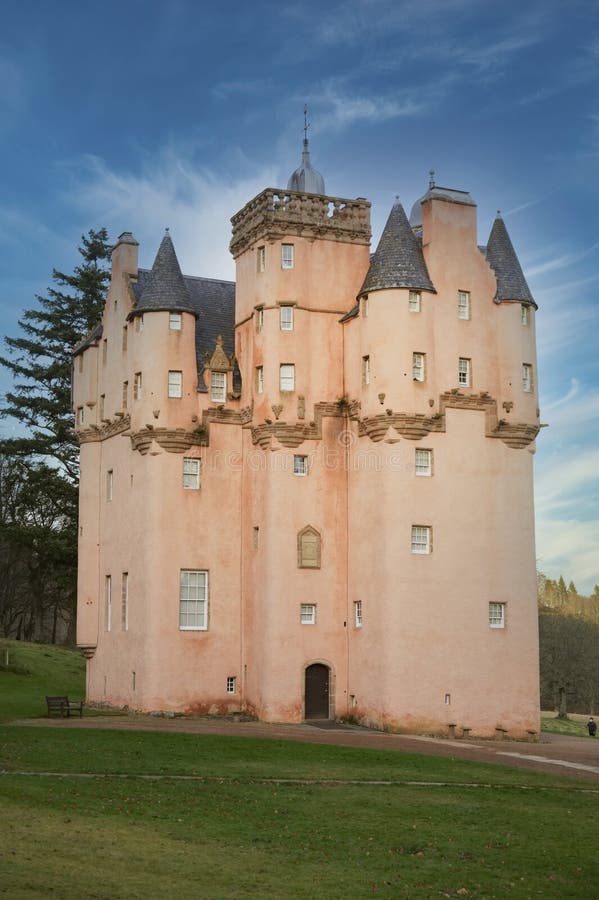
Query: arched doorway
[317,691]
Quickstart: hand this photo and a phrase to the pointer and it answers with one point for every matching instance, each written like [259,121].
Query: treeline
[39,467]
[569,647]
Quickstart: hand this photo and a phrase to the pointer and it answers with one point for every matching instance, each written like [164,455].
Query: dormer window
[218,387]
[287,256]
[174,321]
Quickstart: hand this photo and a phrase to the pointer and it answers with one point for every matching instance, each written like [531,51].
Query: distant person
[592,726]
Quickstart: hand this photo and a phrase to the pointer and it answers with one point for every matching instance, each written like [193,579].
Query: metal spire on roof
[431,180]
[306,125]
[306,178]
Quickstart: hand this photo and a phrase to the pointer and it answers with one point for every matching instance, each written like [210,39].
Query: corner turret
[501,256]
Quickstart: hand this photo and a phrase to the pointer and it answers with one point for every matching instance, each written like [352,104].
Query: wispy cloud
[560,262]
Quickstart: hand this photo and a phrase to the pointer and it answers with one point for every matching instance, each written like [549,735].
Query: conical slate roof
[166,288]
[398,261]
[501,256]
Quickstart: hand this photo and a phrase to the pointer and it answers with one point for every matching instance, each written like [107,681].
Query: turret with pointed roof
[501,256]
[165,289]
[398,261]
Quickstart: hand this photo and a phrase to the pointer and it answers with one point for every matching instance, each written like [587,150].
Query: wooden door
[317,691]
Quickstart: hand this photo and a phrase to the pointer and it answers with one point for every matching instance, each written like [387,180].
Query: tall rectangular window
[287,256]
[218,387]
[286,318]
[175,384]
[464,372]
[358,613]
[497,615]
[125,601]
[365,370]
[424,462]
[107,602]
[101,406]
[80,415]
[261,259]
[463,305]
[174,321]
[81,362]
[109,484]
[137,385]
[524,314]
[308,614]
[125,396]
[364,305]
[231,684]
[191,473]
[193,600]
[414,301]
[259,379]
[287,377]
[418,366]
[421,539]
[527,377]
[139,323]
[125,336]
[104,351]
[259,320]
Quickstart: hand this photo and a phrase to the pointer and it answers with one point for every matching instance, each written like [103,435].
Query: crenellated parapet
[276,213]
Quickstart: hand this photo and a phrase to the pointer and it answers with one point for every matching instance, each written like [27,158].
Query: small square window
[218,387]
[286,318]
[287,377]
[497,615]
[259,379]
[259,320]
[527,377]
[424,462]
[524,314]
[287,256]
[308,614]
[137,385]
[109,484]
[174,321]
[414,301]
[463,305]
[418,366]
[191,473]
[421,539]
[261,259]
[365,370]
[231,684]
[175,384]
[358,613]
[300,465]
[464,372]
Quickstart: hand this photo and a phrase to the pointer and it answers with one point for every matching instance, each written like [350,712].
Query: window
[218,387]
[137,385]
[414,301]
[231,684]
[191,473]
[139,323]
[109,484]
[125,335]
[174,321]
[300,465]
[125,394]
[365,370]
[259,379]
[193,601]
[104,351]
[424,462]
[261,259]
[287,377]
[358,613]
[365,306]
[259,320]
[421,539]
[308,614]
[81,362]
[107,602]
[80,415]
[527,378]
[125,601]
[308,548]
[524,314]
[101,406]
[286,318]
[418,366]
[497,615]
[175,384]
[255,537]
[287,256]
[463,305]
[464,372]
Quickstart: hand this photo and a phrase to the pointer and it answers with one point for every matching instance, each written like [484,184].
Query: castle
[308,494]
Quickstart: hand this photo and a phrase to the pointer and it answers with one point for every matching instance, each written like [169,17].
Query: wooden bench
[63,707]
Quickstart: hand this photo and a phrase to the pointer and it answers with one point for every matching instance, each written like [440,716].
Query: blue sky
[140,115]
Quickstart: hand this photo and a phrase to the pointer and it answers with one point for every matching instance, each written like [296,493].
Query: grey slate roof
[398,261]
[91,338]
[501,256]
[166,288]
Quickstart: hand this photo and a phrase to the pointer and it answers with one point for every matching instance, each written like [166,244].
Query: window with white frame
[497,615]
[139,323]
[80,415]
[308,614]
[287,377]
[261,259]
[421,539]
[125,394]
[286,318]
[174,321]
[464,371]
[463,305]
[418,366]
[259,379]
[259,320]
[527,377]
[193,600]
[175,384]
[109,484]
[524,314]
[287,256]
[231,684]
[218,387]
[365,370]
[137,386]
[125,601]
[300,464]
[414,301]
[191,473]
[358,613]
[107,602]
[424,461]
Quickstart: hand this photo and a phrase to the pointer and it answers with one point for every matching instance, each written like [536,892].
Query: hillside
[34,670]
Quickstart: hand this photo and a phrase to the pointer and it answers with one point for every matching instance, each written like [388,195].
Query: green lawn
[35,670]
[575,725]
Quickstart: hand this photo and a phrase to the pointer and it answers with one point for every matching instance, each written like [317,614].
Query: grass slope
[35,670]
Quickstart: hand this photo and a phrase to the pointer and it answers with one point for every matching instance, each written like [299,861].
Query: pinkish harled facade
[309,494]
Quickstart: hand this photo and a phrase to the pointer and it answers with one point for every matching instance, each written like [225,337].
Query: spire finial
[306,125]
[431,181]
[498,213]
[166,230]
